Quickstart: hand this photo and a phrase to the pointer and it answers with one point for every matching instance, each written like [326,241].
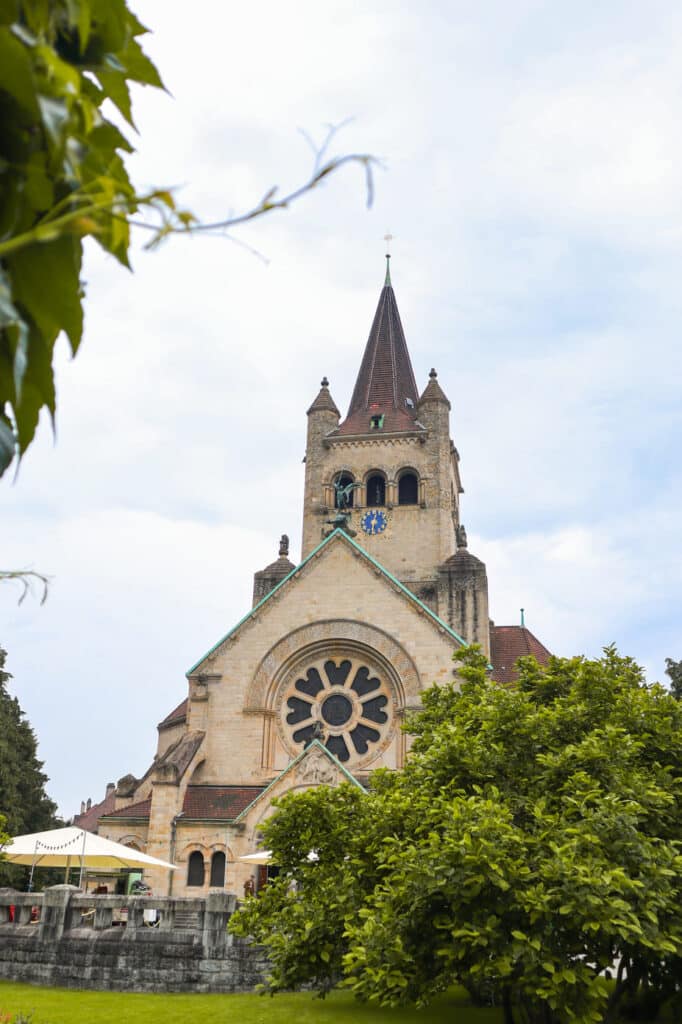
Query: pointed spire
[324,401]
[433,392]
[385,385]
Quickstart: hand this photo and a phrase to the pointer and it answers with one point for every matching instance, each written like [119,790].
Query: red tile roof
[88,820]
[176,715]
[507,643]
[385,383]
[219,803]
[138,810]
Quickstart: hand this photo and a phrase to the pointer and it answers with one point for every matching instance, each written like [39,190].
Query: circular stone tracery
[344,701]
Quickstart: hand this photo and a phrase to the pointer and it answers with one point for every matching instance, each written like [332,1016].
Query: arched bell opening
[408,488]
[375,490]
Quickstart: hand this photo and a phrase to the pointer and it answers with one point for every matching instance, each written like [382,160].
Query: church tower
[312,685]
[391,464]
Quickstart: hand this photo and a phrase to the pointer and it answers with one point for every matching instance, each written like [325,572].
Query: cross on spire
[388,238]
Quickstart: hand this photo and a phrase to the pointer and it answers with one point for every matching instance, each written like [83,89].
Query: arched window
[376,490]
[343,480]
[408,489]
[195,868]
[218,870]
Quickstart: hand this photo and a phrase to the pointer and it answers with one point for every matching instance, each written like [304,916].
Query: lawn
[66,1006]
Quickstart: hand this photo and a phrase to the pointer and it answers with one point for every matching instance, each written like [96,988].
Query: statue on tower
[341,520]
[343,493]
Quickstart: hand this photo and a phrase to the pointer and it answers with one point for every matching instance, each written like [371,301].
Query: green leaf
[16,72]
[9,11]
[84,22]
[139,67]
[46,284]
[7,443]
[37,389]
[54,114]
[116,89]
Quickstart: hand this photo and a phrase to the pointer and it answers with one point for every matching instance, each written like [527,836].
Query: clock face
[374,521]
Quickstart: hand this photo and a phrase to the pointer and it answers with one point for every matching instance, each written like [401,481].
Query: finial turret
[433,375]
[324,401]
[283,546]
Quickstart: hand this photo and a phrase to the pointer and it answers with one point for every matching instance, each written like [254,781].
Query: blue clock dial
[374,521]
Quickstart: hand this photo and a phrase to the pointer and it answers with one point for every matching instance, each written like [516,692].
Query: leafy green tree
[24,804]
[529,848]
[63,178]
[673,669]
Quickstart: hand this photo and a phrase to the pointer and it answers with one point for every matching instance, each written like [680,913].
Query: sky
[531,175]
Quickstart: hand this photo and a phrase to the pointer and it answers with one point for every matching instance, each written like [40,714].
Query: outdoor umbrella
[260,857]
[67,847]
[265,857]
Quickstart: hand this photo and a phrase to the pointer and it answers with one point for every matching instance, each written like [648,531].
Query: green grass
[69,1006]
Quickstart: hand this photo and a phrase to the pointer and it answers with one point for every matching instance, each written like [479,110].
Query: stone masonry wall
[76,943]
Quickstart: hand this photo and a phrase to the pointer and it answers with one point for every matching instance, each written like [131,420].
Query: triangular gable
[336,535]
[313,750]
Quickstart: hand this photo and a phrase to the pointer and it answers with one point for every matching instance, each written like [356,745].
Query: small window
[343,491]
[376,490]
[195,869]
[376,422]
[408,489]
[218,870]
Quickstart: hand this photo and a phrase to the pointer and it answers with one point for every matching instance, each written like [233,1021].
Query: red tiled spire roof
[385,383]
[507,643]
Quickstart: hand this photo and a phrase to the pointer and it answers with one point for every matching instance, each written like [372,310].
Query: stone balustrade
[66,937]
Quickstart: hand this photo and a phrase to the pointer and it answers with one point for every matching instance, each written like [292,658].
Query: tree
[529,847]
[63,178]
[24,804]
[673,669]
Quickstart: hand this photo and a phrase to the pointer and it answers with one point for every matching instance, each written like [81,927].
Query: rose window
[343,703]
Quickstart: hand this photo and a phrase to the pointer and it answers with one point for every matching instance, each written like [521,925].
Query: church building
[312,685]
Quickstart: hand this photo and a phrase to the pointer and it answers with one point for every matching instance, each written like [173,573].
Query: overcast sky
[532,180]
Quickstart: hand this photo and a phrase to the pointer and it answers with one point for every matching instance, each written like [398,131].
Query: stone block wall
[103,942]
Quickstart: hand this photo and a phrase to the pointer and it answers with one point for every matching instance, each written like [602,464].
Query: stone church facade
[312,685]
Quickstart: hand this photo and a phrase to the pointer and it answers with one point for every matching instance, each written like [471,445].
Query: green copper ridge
[387,282]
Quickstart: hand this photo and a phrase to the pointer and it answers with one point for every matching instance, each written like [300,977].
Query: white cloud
[532,184]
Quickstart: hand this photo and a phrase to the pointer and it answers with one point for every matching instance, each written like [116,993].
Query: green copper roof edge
[408,593]
[292,764]
[389,576]
[260,604]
